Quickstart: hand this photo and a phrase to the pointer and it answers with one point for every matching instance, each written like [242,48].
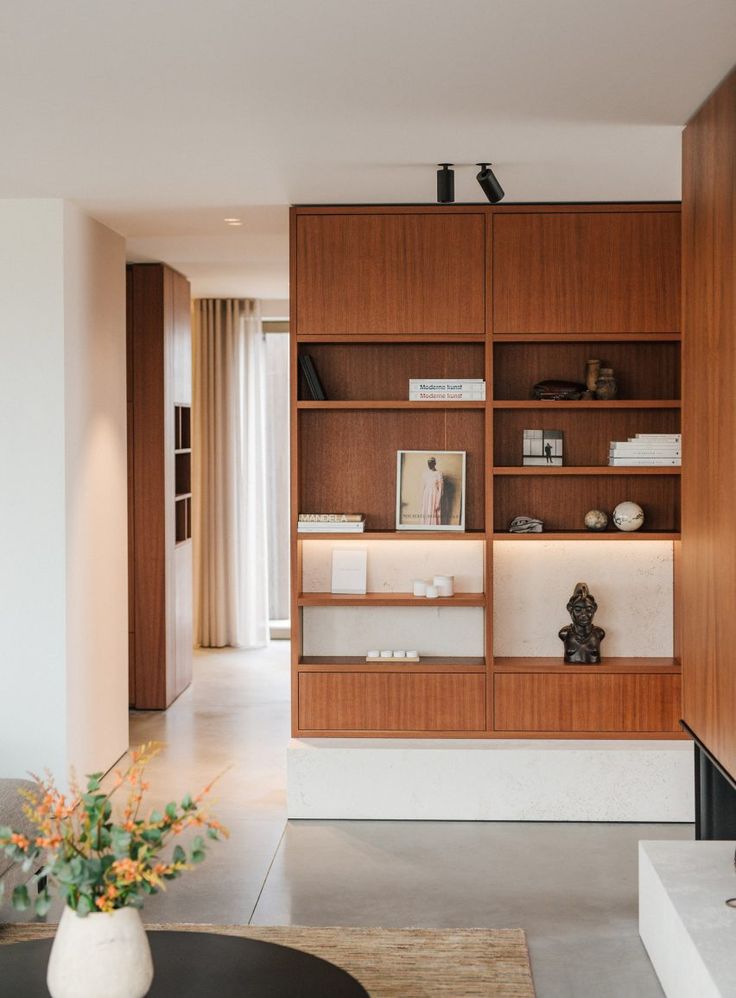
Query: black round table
[202,964]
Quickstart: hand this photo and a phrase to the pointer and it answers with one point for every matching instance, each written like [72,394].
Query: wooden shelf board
[603,469]
[443,338]
[395,535]
[607,667]
[352,663]
[395,404]
[589,535]
[389,599]
[588,338]
[585,404]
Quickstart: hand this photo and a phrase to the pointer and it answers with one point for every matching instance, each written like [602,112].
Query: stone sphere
[628,516]
[596,519]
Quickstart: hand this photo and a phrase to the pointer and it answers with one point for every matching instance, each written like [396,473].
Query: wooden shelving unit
[466,292]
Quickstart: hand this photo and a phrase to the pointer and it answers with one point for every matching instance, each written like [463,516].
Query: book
[644,462]
[331,517]
[437,396]
[668,437]
[330,528]
[447,384]
[668,450]
[310,376]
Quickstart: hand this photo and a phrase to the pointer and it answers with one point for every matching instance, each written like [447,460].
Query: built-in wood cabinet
[512,294]
[577,271]
[709,384]
[393,272]
[159,484]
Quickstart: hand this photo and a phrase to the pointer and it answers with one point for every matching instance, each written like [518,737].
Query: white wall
[32,524]
[96,493]
[631,581]
[63,591]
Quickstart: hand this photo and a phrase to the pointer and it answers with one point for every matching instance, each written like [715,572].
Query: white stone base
[684,923]
[490,780]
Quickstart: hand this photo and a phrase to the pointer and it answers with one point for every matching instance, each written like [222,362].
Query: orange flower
[49,842]
[20,840]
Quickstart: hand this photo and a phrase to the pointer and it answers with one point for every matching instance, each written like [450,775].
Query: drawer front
[360,701]
[630,703]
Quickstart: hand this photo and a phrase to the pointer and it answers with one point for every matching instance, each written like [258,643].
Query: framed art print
[430,490]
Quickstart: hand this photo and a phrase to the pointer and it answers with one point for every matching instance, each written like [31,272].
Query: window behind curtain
[276,337]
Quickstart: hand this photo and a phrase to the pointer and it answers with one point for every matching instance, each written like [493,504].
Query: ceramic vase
[606,387]
[105,955]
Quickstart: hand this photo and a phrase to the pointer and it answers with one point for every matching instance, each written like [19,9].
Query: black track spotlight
[487,180]
[445,184]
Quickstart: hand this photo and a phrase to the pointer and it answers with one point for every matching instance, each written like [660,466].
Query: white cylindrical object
[445,584]
[412,654]
[432,592]
[399,654]
[387,654]
[420,587]
[375,653]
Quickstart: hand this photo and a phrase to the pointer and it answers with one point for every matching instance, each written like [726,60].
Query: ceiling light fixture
[445,184]
[234,221]
[489,184]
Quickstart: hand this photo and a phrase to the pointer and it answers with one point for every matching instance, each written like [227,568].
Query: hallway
[572,887]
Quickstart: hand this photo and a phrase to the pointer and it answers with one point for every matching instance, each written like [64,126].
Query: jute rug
[389,963]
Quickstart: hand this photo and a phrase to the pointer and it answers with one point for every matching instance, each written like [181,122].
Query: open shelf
[586,404]
[608,666]
[390,337]
[587,337]
[389,599]
[395,404]
[590,535]
[354,663]
[395,535]
[599,470]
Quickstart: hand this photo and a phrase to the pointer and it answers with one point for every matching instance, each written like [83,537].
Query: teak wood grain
[400,273]
[347,460]
[160,583]
[585,272]
[594,703]
[391,701]
[364,371]
[642,370]
[708,556]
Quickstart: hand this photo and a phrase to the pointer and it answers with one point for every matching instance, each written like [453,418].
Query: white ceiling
[162,117]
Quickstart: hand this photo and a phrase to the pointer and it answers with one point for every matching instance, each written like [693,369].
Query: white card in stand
[349,571]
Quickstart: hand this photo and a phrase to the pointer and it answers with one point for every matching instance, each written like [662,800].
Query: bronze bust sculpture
[582,639]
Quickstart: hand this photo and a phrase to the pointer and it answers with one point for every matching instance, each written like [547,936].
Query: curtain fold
[229,465]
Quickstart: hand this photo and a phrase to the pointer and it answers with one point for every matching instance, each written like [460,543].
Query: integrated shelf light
[234,221]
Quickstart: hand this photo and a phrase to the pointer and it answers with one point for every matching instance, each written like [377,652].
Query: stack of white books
[447,390]
[331,523]
[647,450]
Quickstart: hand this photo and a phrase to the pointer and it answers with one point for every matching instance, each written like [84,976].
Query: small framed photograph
[430,490]
[542,448]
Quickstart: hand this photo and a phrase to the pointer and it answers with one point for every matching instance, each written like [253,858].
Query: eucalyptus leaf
[21,899]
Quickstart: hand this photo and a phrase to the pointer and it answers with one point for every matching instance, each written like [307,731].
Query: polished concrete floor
[572,887]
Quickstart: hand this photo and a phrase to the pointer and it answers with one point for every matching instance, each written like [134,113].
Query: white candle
[387,654]
[399,654]
[374,654]
[432,592]
[412,654]
[445,584]
[420,587]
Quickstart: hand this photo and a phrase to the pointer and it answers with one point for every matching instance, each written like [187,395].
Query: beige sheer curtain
[229,465]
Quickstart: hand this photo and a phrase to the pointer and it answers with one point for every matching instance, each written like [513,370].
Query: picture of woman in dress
[432,485]
[430,490]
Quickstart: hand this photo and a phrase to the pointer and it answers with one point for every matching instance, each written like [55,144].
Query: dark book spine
[317,384]
[307,372]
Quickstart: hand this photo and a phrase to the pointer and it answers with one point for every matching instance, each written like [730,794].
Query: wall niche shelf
[383,294]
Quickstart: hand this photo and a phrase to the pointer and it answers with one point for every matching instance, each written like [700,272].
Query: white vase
[105,955]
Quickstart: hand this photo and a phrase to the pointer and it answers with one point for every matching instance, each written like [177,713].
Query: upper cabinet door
[390,273]
[586,272]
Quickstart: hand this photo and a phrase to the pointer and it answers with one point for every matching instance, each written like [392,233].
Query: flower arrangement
[99,863]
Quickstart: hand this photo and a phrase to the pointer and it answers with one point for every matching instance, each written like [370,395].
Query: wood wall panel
[369,371]
[391,702]
[708,562]
[642,370]
[588,433]
[625,703]
[562,501]
[347,459]
[403,273]
[586,272]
